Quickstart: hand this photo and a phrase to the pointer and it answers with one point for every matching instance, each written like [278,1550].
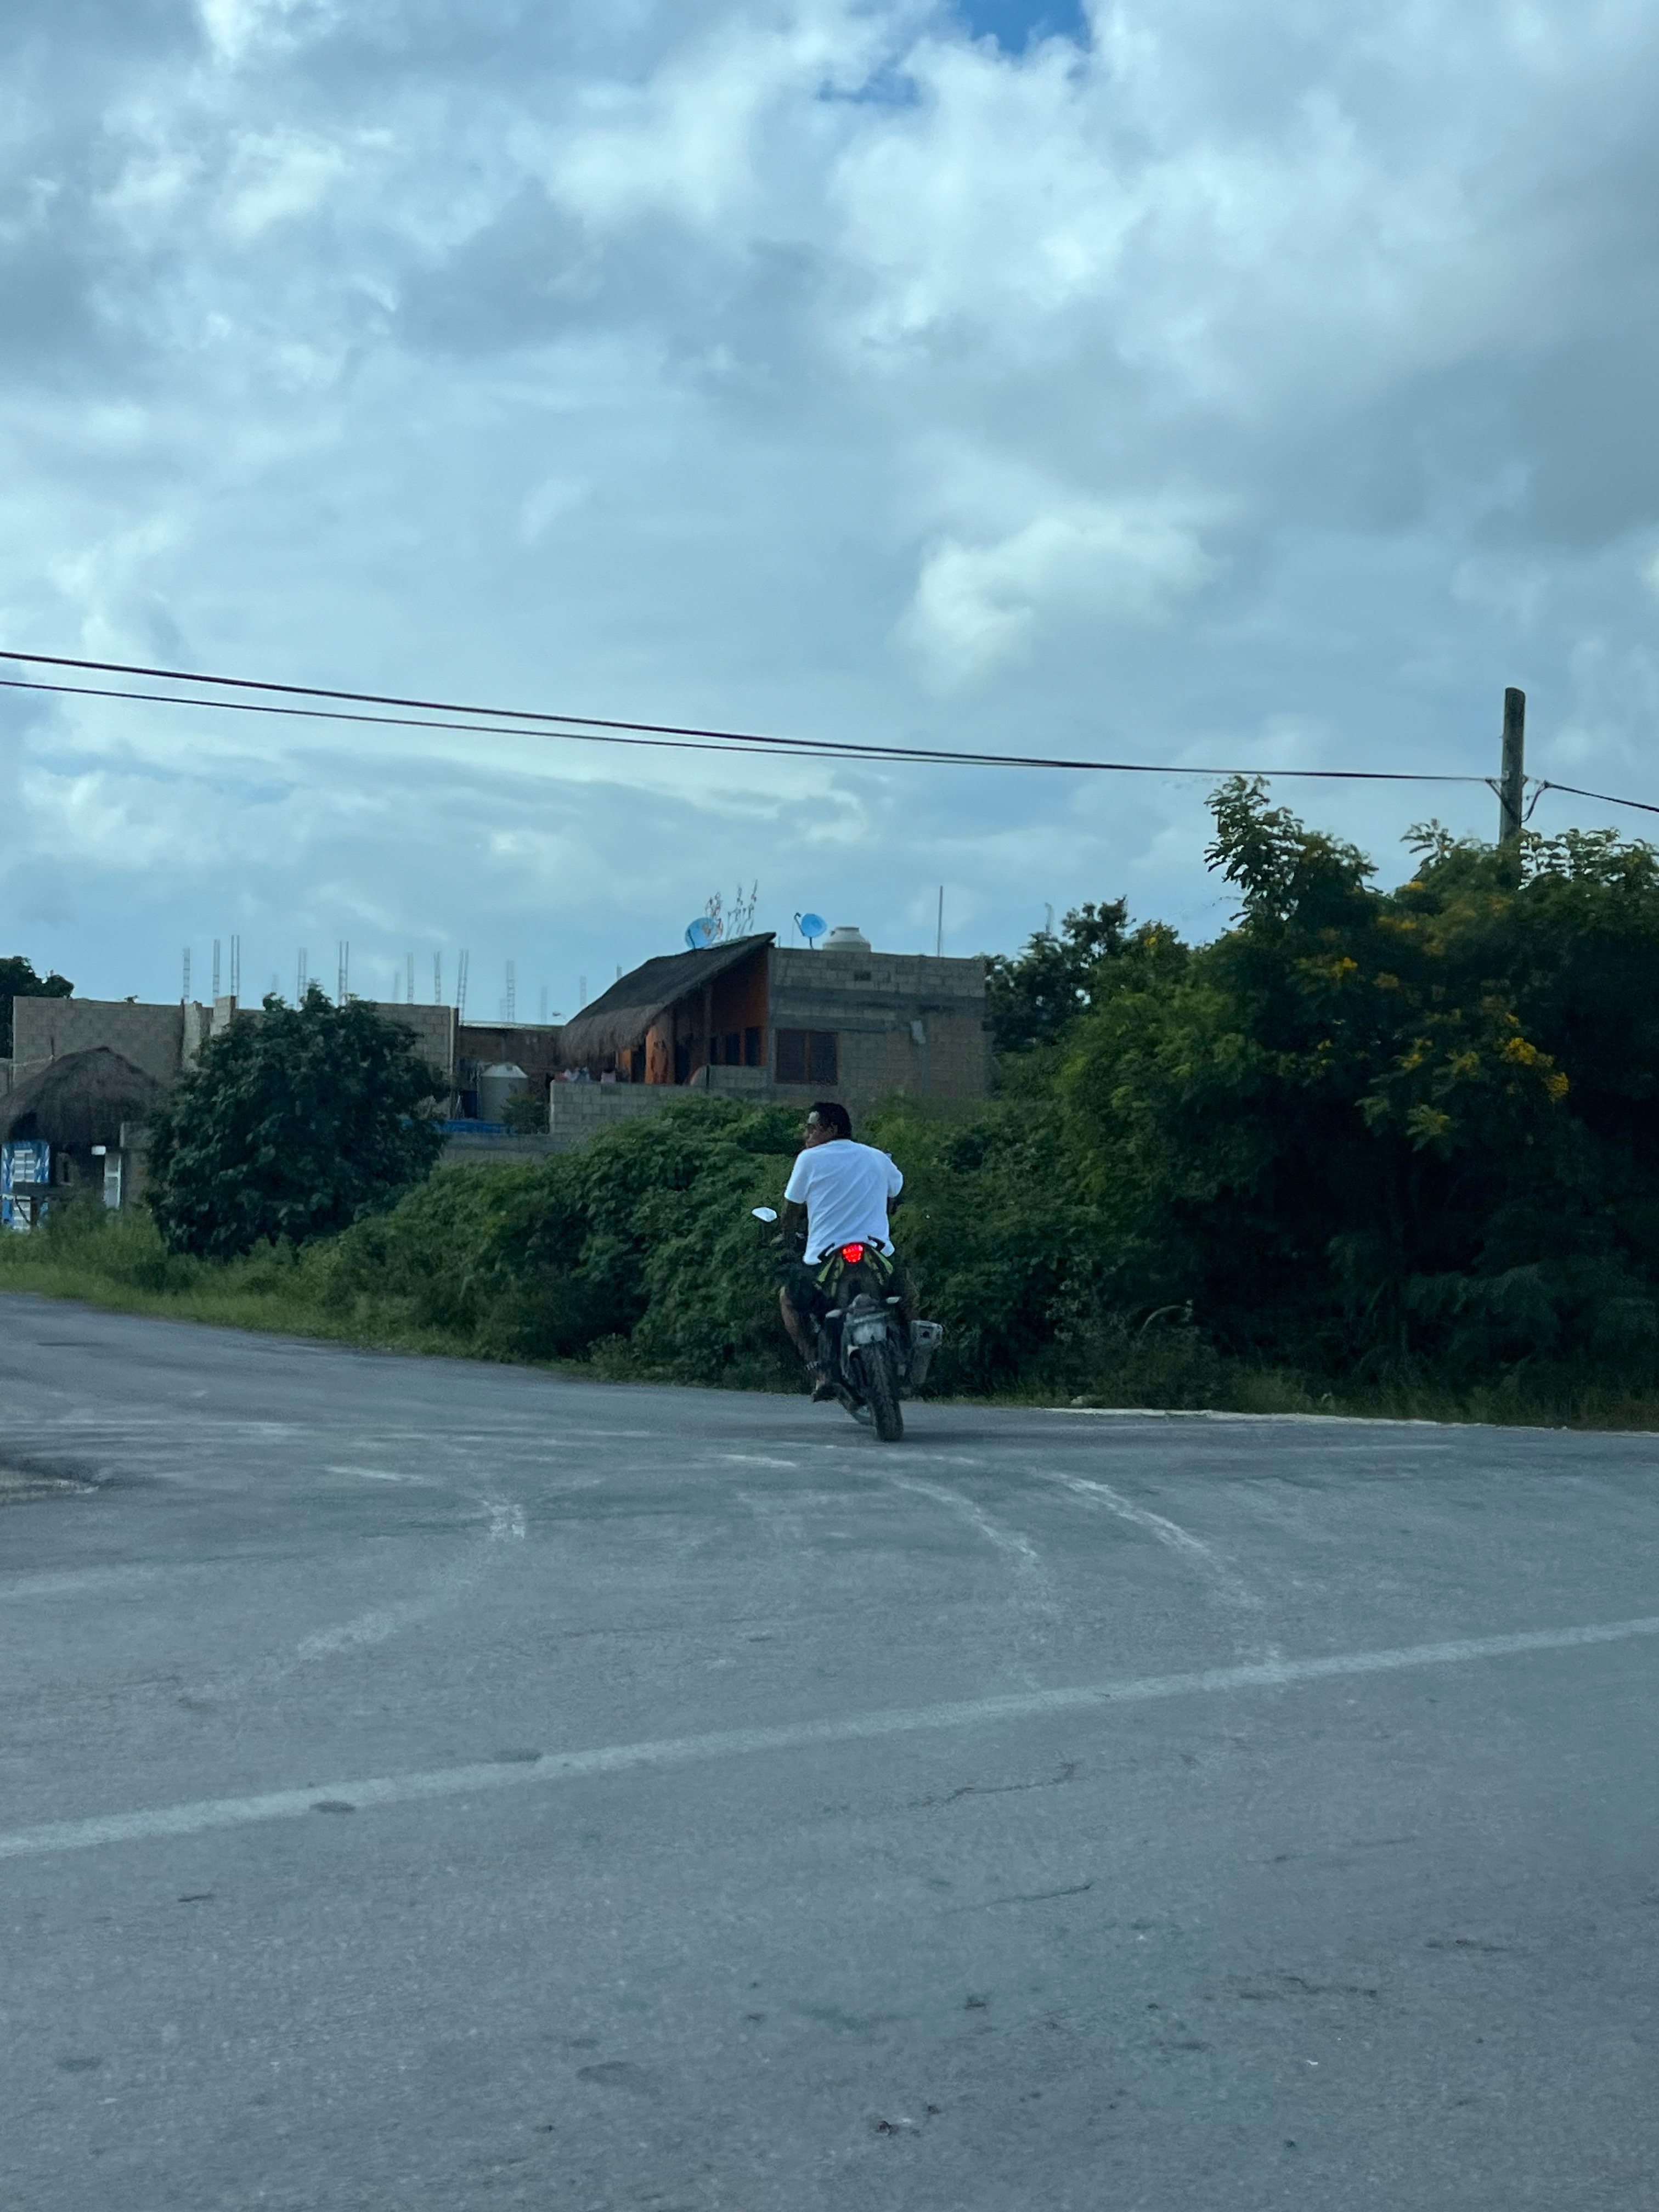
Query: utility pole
[1511,786]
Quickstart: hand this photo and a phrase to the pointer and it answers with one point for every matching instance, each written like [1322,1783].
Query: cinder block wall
[45,1029]
[434,1028]
[906,1022]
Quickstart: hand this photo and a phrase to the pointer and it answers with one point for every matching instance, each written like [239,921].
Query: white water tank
[845,937]
[496,1085]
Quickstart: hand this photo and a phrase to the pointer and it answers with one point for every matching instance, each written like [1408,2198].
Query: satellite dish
[811,926]
[699,933]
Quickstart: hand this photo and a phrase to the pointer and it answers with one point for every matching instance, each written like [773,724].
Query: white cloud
[238,28]
[977,606]
[275,177]
[1254,372]
[686,143]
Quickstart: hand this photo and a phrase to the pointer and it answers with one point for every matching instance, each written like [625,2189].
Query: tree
[295,1123]
[19,981]
[1367,1125]
[1033,997]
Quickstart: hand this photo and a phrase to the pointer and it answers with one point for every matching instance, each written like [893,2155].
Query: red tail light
[852,1254]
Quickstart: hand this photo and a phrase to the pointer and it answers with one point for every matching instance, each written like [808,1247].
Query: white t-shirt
[845,1187]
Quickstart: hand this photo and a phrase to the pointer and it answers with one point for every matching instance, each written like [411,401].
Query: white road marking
[207,1814]
[1311,1420]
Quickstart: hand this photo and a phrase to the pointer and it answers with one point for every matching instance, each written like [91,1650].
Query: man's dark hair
[832,1115]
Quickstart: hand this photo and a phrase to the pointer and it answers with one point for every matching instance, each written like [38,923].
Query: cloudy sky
[1169,380]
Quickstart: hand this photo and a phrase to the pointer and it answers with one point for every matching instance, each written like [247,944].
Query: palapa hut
[674,1016]
[78,1105]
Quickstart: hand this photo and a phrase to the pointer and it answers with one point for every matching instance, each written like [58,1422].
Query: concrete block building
[163,1041]
[754,1019]
[749,1019]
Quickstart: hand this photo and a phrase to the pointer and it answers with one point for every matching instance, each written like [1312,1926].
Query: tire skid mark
[1022,1553]
[1163,1531]
[505,1523]
[1033,1590]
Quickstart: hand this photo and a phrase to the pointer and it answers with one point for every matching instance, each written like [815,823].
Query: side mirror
[764,1214]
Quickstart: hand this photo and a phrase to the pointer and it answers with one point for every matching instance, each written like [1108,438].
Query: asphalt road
[427,1785]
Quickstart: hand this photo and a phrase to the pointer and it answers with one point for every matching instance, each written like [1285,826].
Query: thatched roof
[79,1100]
[619,1020]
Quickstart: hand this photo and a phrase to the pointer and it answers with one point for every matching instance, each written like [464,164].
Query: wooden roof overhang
[621,1018]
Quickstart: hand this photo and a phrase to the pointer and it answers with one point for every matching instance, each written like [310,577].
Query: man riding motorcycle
[845,1192]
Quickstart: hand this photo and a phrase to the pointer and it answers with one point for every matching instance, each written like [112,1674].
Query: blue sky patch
[1015,23]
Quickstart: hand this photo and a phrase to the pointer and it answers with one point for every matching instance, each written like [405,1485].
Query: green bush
[292,1125]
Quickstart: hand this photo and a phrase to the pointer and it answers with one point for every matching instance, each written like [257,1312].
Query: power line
[670,736]
[827,748]
[673,741]
[1547,783]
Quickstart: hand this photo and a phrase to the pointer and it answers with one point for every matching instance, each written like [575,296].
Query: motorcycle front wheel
[880,1387]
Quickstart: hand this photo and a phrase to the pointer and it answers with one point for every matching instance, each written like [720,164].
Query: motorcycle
[871,1358]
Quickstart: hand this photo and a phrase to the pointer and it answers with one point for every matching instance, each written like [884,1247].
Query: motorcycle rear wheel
[880,1387]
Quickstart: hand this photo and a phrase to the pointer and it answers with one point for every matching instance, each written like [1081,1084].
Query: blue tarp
[26,1160]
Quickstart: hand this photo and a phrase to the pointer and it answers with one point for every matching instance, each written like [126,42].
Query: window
[733,1048]
[808,1056]
[754,1054]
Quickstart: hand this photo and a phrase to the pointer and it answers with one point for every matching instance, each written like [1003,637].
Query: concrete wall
[577,1111]
[45,1029]
[465,1150]
[434,1028]
[905,1022]
[164,1040]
